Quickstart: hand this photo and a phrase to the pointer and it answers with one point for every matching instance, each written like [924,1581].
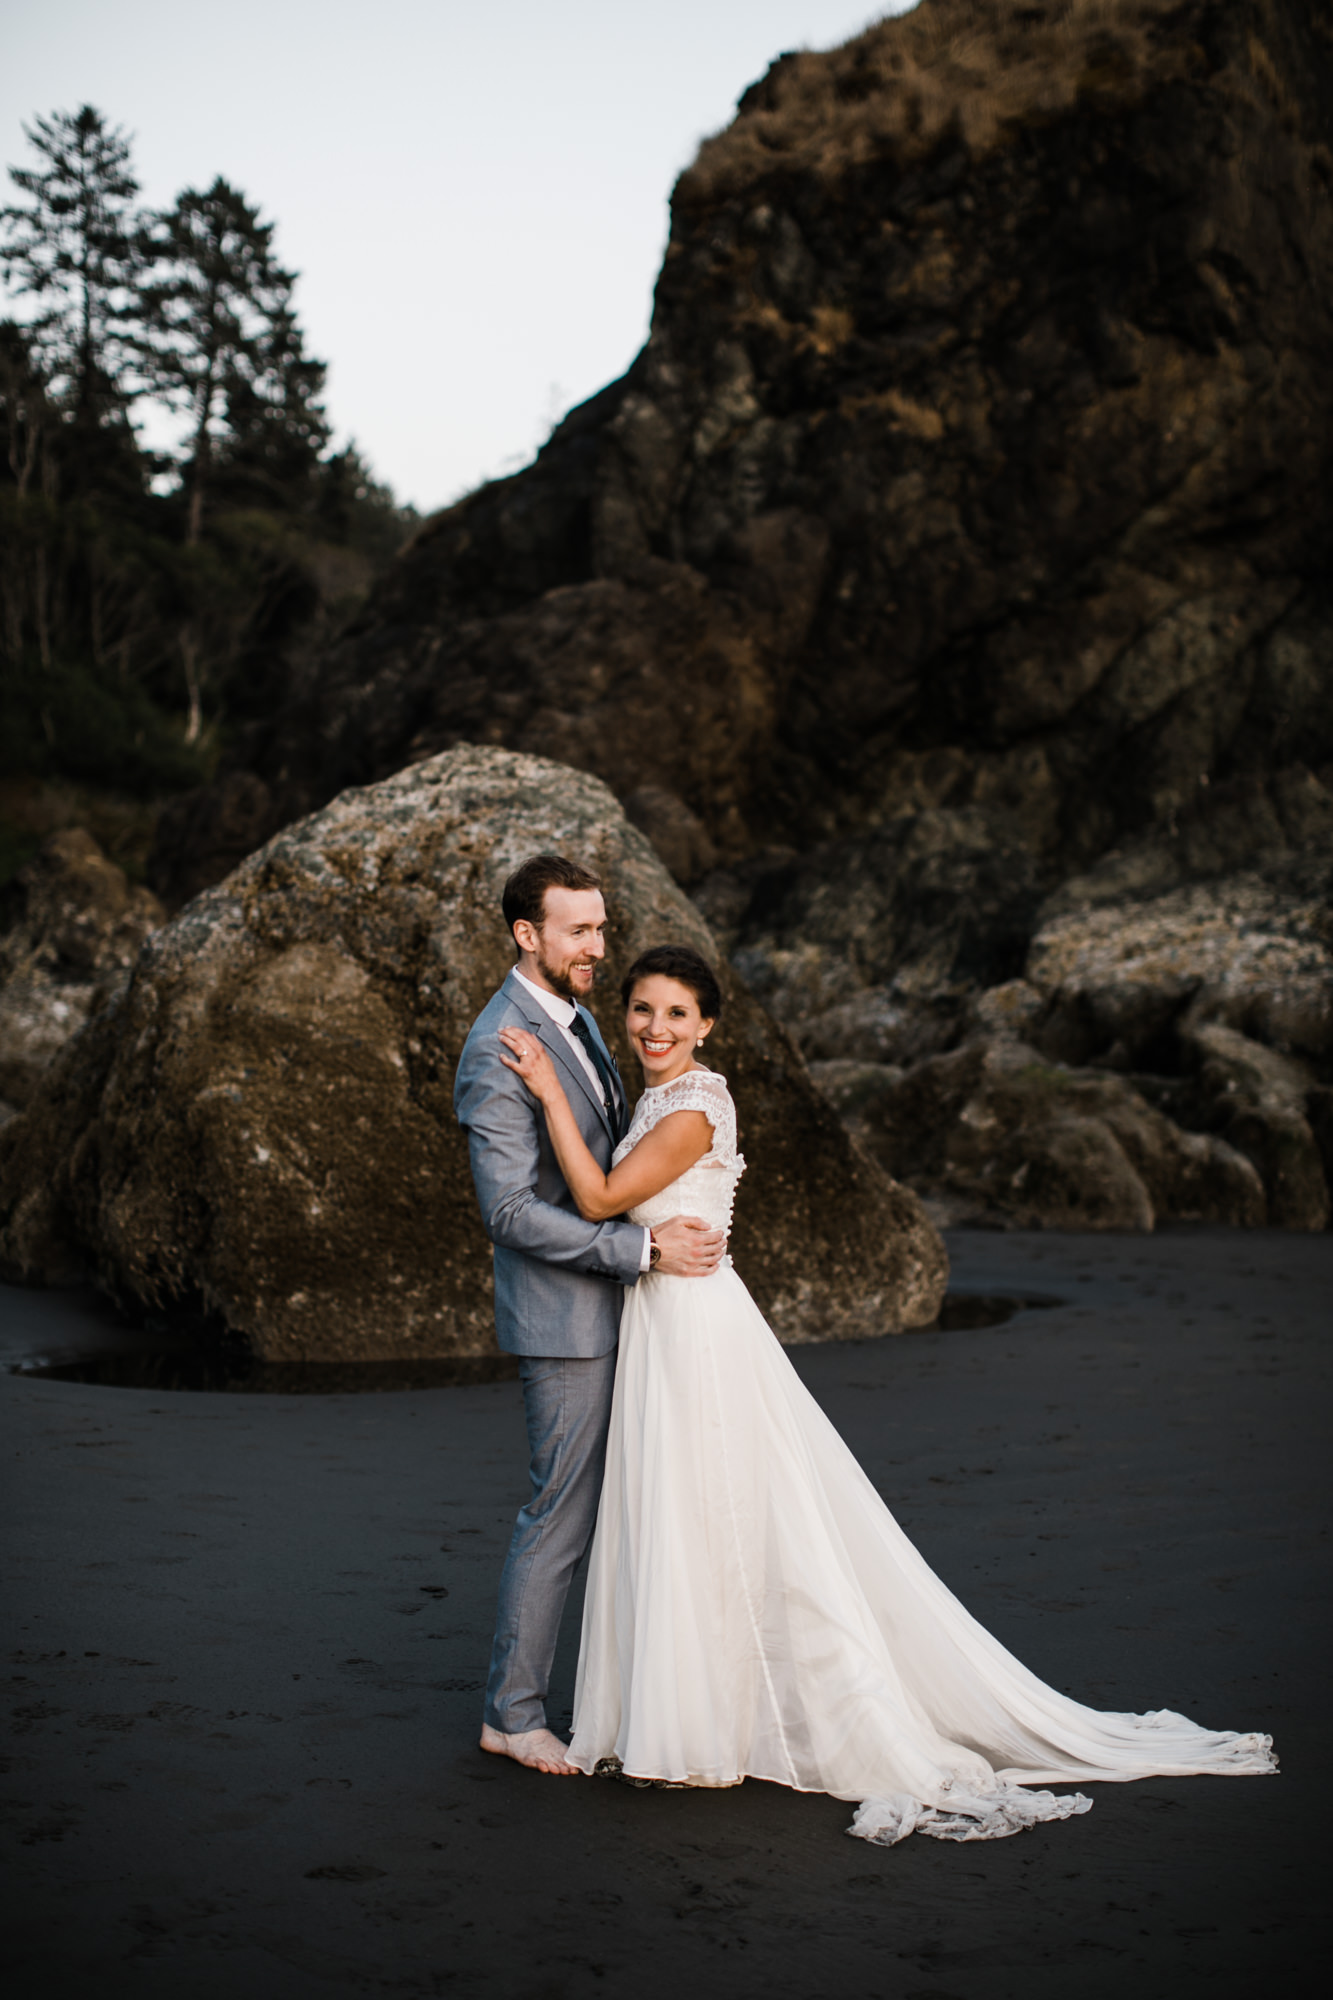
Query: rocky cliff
[956,552]
[976,461]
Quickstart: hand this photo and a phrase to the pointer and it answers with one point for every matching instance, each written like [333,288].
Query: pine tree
[71,248]
[275,428]
[355,510]
[222,345]
[25,408]
[141,629]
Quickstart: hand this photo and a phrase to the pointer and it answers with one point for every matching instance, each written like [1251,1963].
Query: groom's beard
[558,979]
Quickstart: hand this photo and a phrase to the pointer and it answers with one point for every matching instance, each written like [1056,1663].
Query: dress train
[754,1610]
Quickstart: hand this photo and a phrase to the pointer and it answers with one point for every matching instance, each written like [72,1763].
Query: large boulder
[263,1124]
[70,929]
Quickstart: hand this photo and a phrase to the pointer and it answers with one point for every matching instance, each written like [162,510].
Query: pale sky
[474,191]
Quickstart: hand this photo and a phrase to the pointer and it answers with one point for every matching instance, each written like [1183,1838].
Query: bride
[753,1609]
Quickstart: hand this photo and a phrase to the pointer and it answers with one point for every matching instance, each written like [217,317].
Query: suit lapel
[550,1037]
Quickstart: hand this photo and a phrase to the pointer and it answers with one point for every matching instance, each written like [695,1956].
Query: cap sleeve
[702,1090]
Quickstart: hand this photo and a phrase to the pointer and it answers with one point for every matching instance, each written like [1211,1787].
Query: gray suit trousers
[567,1403]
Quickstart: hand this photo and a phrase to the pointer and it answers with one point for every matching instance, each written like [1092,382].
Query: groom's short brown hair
[524,899]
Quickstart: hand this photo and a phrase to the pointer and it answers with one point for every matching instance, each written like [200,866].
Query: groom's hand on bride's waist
[690,1248]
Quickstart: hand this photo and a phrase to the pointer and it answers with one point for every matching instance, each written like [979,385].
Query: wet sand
[246,1636]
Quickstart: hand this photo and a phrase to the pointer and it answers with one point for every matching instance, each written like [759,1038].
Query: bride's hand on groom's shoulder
[528,1059]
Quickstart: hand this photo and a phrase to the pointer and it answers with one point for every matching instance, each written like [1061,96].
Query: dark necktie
[579,1028]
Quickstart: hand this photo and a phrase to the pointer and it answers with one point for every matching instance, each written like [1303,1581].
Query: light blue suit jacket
[557,1277]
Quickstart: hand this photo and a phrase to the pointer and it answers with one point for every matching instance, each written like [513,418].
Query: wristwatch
[654,1252]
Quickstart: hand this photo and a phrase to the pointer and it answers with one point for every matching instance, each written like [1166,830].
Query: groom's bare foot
[537,1748]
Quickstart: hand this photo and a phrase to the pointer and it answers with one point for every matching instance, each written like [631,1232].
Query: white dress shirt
[562,1012]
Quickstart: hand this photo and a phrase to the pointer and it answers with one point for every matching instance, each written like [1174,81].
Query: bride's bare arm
[663,1156]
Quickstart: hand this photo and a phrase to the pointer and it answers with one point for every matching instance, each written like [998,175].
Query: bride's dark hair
[678,962]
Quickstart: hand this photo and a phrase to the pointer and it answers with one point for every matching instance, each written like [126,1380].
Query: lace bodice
[708,1188]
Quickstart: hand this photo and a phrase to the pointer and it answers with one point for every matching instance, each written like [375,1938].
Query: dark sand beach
[246,1635]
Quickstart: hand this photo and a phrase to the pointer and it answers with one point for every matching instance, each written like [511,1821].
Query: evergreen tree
[143,631]
[71,248]
[355,510]
[25,409]
[222,345]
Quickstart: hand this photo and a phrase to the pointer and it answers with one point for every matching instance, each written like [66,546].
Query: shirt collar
[561,1011]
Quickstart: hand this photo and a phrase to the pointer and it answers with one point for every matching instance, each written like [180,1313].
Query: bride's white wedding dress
[754,1610]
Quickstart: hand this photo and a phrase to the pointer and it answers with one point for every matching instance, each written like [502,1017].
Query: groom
[558,1278]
